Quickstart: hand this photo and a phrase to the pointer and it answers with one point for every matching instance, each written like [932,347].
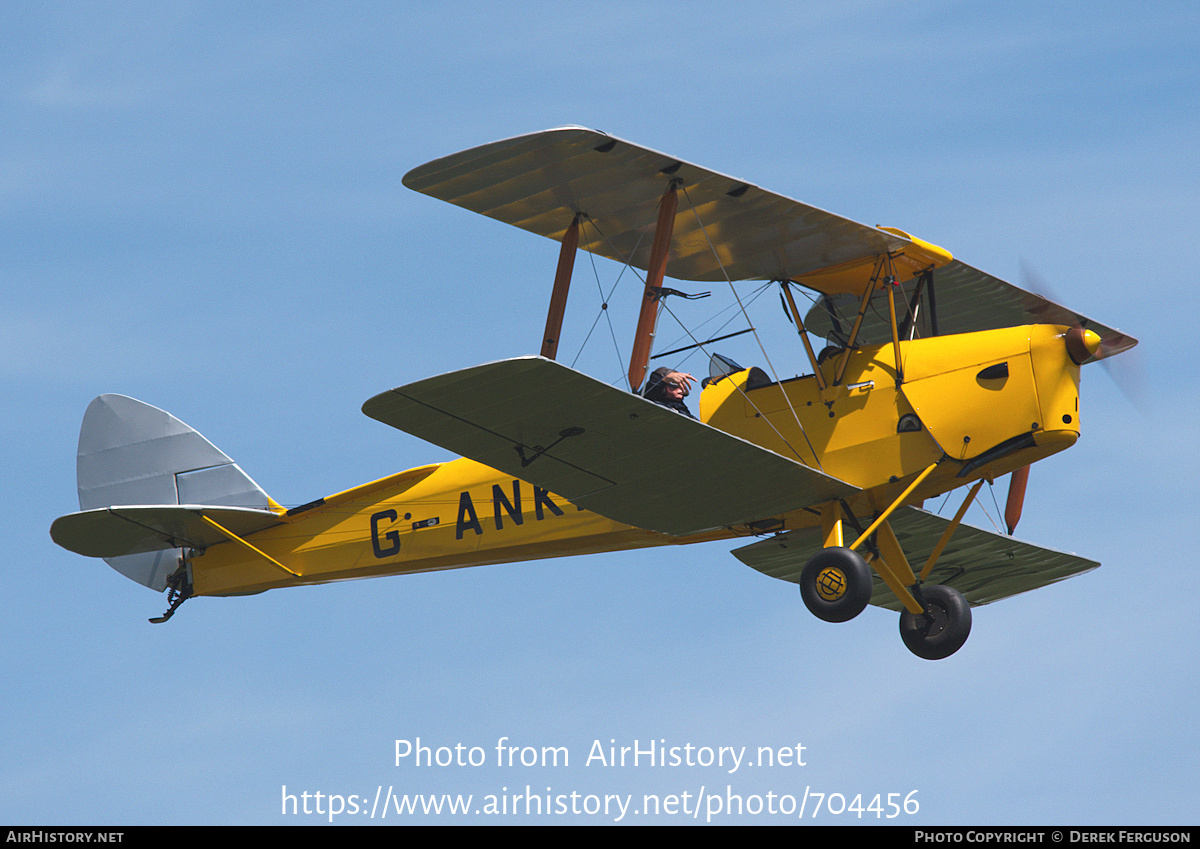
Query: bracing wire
[758,339]
[996,504]
[604,299]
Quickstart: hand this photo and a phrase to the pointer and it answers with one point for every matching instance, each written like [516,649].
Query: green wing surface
[604,449]
[982,565]
[539,182]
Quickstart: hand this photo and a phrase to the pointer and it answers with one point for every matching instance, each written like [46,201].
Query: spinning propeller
[1082,345]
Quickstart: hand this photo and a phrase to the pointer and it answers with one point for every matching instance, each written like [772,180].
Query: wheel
[943,629]
[836,584]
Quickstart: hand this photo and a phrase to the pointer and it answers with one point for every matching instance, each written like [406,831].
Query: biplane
[933,376]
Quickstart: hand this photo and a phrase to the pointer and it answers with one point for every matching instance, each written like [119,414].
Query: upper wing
[604,449]
[539,182]
[725,228]
[982,565]
[959,299]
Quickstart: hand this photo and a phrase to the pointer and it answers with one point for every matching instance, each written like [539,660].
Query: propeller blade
[1125,370]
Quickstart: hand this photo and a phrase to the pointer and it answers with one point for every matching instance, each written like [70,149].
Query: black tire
[836,584]
[943,629]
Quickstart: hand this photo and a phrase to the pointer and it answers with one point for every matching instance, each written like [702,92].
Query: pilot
[669,388]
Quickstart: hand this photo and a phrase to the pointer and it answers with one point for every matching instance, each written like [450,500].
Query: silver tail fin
[133,453]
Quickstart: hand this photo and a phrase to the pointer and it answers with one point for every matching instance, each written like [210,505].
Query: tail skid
[137,456]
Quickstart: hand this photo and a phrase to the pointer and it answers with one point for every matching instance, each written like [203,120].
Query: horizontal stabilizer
[982,565]
[604,449]
[125,530]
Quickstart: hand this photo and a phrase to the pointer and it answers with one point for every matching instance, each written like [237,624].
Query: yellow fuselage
[989,402]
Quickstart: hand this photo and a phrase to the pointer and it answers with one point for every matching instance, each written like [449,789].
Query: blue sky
[200,206]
